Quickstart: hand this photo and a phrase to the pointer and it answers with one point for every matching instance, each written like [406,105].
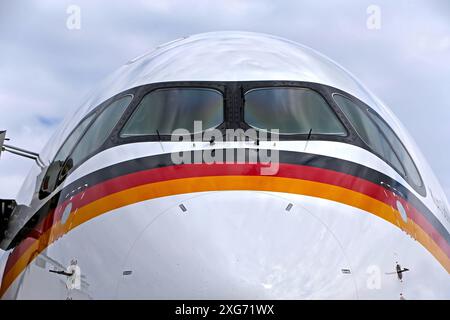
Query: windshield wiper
[307,139]
[309,134]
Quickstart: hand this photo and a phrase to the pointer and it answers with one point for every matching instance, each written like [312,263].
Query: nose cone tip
[237,245]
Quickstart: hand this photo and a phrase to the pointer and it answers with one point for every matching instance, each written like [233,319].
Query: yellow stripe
[224,183]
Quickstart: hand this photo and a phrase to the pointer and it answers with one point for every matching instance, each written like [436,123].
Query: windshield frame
[143,91]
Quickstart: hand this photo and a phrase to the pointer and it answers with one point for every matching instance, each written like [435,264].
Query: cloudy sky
[46,68]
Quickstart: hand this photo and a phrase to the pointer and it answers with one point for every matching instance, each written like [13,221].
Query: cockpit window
[98,132]
[72,139]
[164,110]
[87,137]
[291,111]
[400,150]
[380,138]
[368,131]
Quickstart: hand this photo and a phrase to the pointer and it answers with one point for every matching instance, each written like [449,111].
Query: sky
[47,66]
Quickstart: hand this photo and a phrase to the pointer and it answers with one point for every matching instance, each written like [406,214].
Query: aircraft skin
[333,222]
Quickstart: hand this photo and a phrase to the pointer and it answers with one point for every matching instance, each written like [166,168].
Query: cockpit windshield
[164,110]
[299,111]
[291,110]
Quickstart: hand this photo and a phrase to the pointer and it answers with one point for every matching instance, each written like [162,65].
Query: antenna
[18,151]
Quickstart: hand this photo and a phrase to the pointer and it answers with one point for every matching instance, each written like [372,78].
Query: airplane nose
[236,245]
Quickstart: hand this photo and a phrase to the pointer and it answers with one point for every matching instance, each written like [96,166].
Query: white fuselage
[330,223]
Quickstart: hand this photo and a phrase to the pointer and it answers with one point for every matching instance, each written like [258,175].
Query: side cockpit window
[291,110]
[73,138]
[50,180]
[411,171]
[98,132]
[380,138]
[85,139]
[164,110]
